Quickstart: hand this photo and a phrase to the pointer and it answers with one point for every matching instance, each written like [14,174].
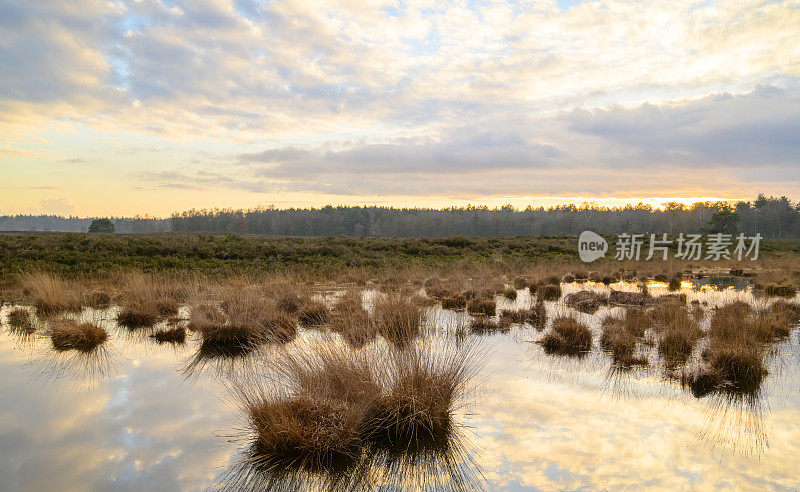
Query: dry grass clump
[680,332]
[510,294]
[636,321]
[729,367]
[304,432]
[336,404]
[289,302]
[586,301]
[398,318]
[98,300]
[145,301]
[245,319]
[313,313]
[740,368]
[622,298]
[175,335]
[780,290]
[739,323]
[548,292]
[789,312]
[536,316]
[482,325]
[421,395]
[20,321]
[50,294]
[352,321]
[455,302]
[568,336]
[619,338]
[482,307]
[674,284]
[205,317]
[71,335]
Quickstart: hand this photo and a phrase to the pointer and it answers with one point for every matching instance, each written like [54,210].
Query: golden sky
[152,106]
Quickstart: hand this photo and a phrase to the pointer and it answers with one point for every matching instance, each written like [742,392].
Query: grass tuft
[83,337]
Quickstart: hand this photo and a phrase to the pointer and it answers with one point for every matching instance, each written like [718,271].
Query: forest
[773,217]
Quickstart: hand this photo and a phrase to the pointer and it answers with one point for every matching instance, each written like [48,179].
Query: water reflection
[541,422]
[448,467]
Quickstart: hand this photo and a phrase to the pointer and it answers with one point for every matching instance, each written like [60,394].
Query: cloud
[419,97]
[54,206]
[718,139]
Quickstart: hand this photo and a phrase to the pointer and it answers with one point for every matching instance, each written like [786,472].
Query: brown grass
[352,321]
[245,318]
[455,302]
[679,331]
[70,335]
[50,294]
[568,336]
[416,409]
[313,313]
[334,403]
[510,294]
[549,292]
[619,339]
[536,316]
[482,307]
[20,321]
[175,335]
[398,318]
[482,325]
[586,301]
[145,301]
[98,300]
[780,290]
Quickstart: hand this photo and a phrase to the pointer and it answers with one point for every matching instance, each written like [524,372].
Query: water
[140,415]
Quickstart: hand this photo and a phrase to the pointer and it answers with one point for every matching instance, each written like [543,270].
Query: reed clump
[335,404]
[619,338]
[482,307]
[175,335]
[586,301]
[398,318]
[536,316]
[51,295]
[482,325]
[679,332]
[510,294]
[455,302]
[568,336]
[352,321]
[243,318]
[83,337]
[313,313]
[780,290]
[145,301]
[98,300]
[20,321]
[420,397]
[549,292]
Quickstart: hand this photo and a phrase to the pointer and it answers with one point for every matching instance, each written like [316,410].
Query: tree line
[774,217]
[769,216]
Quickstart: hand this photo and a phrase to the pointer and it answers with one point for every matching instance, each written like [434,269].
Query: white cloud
[497,97]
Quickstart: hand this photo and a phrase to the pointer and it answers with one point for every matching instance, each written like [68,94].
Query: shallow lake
[144,416]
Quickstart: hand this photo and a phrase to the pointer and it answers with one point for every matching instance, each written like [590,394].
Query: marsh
[609,406]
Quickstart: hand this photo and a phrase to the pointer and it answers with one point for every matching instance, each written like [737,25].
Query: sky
[155,106]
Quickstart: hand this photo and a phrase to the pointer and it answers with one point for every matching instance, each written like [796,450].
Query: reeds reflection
[447,467]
